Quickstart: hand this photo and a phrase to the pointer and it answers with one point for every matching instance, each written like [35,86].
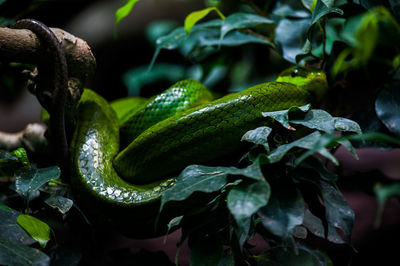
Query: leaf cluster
[277,195]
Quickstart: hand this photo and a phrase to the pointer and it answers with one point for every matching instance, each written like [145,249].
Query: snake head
[313,81]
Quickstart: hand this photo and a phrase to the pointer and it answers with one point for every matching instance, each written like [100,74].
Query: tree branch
[20,45]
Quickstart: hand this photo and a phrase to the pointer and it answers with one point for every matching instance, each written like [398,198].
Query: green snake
[163,135]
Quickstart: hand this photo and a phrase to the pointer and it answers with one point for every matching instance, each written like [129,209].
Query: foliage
[285,186]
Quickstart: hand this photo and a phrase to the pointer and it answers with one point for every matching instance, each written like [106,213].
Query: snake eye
[294,73]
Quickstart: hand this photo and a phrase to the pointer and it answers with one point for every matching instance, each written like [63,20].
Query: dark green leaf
[387,107]
[159,28]
[138,77]
[178,36]
[292,9]
[175,222]
[290,37]
[246,199]
[7,156]
[283,256]
[242,20]
[216,74]
[4,206]
[206,251]
[234,38]
[8,161]
[59,202]
[12,253]
[10,230]
[258,136]
[314,142]
[37,229]
[316,164]
[383,193]
[283,115]
[321,10]
[284,211]
[337,211]
[205,179]
[322,120]
[316,227]
[28,181]
[375,137]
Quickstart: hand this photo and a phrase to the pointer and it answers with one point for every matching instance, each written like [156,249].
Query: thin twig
[263,37]
[324,55]
[256,8]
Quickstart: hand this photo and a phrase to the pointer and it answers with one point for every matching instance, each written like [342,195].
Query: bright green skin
[190,137]
[181,96]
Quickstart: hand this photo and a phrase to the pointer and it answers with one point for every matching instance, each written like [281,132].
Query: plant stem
[324,55]
[256,8]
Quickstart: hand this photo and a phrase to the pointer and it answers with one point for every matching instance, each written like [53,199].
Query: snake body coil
[193,136]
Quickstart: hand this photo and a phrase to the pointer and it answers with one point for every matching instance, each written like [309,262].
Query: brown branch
[20,45]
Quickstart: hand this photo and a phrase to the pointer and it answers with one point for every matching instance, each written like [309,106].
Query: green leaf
[8,162]
[316,227]
[7,156]
[258,136]
[337,211]
[322,120]
[235,38]
[206,251]
[383,193]
[195,16]
[284,211]
[205,179]
[246,199]
[375,137]
[387,107]
[177,37]
[159,28]
[291,36]
[321,10]
[346,125]
[316,164]
[37,229]
[138,77]
[60,203]
[10,230]
[28,181]
[12,253]
[283,115]
[124,11]
[314,142]
[4,206]
[242,20]
[175,222]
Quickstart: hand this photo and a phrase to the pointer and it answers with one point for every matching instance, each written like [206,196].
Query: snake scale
[128,184]
[159,137]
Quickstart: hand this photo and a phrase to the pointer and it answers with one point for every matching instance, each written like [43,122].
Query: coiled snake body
[179,127]
[124,188]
